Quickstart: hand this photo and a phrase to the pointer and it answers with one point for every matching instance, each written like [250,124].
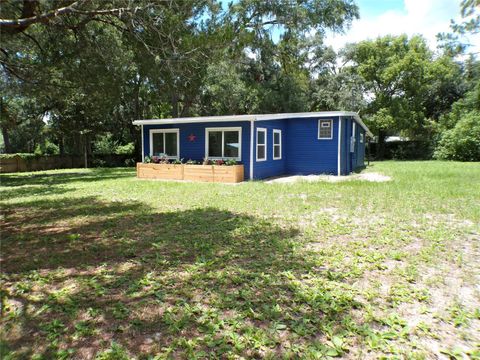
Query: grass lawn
[98,264]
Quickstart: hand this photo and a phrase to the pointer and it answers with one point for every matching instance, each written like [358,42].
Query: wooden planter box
[208,173]
[198,172]
[160,171]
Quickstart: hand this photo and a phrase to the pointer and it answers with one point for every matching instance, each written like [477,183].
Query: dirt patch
[372,177]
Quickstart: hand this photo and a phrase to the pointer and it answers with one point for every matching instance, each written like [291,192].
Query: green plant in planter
[177,161]
[230,162]
[191,162]
[206,161]
[147,160]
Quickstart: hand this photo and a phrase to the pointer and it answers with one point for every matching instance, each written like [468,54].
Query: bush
[130,162]
[24,156]
[461,143]
[48,148]
[105,145]
[127,149]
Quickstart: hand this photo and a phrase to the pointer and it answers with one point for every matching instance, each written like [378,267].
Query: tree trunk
[132,128]
[381,145]
[174,104]
[6,140]
[61,145]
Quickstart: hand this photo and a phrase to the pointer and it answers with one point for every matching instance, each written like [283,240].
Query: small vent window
[325,129]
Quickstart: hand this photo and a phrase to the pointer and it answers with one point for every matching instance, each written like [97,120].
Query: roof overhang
[257,117]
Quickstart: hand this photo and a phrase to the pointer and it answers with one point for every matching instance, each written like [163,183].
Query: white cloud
[425,17]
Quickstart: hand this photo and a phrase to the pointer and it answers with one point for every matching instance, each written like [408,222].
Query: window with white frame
[361,138]
[261,144]
[223,143]
[164,142]
[325,129]
[277,144]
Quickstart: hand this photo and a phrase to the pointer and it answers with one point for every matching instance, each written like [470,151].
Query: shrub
[24,156]
[127,149]
[99,163]
[106,145]
[130,162]
[462,142]
[48,148]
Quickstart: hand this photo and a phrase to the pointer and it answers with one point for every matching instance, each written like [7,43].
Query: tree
[33,12]
[401,79]
[335,86]
[94,66]
[456,43]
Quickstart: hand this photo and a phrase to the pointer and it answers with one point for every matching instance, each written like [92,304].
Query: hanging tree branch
[29,17]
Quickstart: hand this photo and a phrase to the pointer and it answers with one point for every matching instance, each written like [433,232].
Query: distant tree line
[74,74]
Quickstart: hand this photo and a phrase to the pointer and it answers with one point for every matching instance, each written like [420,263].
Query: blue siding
[343,147]
[196,150]
[348,134]
[306,153]
[351,160]
[270,167]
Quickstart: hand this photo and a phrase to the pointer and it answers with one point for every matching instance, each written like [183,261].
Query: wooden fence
[20,164]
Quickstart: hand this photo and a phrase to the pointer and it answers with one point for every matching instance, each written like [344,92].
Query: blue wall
[196,150]
[351,160]
[270,167]
[306,153]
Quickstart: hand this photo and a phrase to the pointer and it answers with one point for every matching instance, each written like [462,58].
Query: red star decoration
[192,137]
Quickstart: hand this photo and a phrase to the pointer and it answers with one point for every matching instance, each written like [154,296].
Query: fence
[18,163]
[402,150]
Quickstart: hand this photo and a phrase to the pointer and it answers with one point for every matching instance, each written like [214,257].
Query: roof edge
[254,117]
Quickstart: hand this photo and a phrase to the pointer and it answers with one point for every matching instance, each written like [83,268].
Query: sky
[382,17]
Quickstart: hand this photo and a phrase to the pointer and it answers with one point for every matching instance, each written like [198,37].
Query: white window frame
[164,131]
[277,131]
[361,137]
[319,127]
[223,129]
[264,130]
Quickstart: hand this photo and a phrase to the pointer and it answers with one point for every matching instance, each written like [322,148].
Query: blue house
[267,145]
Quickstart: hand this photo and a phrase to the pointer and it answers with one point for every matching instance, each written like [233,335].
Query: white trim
[164,131]
[264,130]
[252,134]
[339,150]
[260,117]
[143,148]
[331,129]
[223,129]
[277,131]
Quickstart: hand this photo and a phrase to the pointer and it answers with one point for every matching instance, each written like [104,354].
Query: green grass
[98,264]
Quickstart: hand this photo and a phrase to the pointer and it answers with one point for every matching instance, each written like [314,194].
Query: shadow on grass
[80,273]
[87,175]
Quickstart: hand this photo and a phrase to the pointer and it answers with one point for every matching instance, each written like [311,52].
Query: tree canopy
[76,72]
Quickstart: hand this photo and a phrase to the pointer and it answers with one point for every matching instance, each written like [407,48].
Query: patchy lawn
[98,264]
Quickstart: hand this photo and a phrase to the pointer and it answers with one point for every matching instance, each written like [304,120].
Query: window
[325,129]
[261,144]
[353,138]
[277,144]
[361,138]
[164,143]
[223,143]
